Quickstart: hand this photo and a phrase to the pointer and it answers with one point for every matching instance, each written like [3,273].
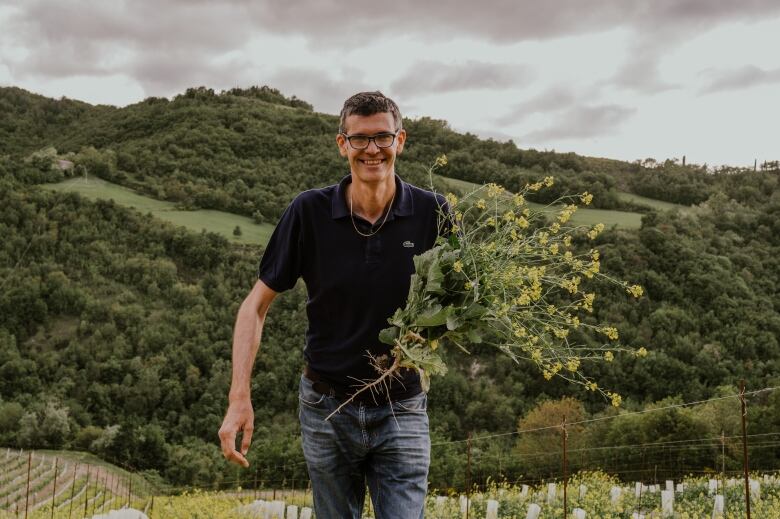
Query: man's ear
[341,142]
[400,139]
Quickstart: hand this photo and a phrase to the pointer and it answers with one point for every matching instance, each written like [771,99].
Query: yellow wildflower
[481,203]
[573,364]
[452,200]
[519,200]
[586,198]
[641,352]
[591,386]
[595,231]
[554,249]
[494,190]
[548,375]
[457,266]
[434,344]
[441,160]
[548,181]
[455,229]
[458,216]
[551,309]
[522,222]
[616,399]
[610,331]
[536,355]
[635,290]
[469,285]
[555,227]
[567,241]
[609,356]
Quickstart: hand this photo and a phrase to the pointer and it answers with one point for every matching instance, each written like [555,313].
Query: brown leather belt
[325,388]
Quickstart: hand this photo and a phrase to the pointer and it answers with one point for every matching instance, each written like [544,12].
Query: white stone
[305,513]
[492,509]
[638,489]
[578,513]
[670,485]
[464,504]
[717,508]
[440,502]
[680,488]
[755,489]
[292,512]
[524,491]
[614,494]
[583,491]
[667,503]
[533,511]
[551,492]
[712,486]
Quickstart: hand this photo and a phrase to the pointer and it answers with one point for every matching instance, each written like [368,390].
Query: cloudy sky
[625,79]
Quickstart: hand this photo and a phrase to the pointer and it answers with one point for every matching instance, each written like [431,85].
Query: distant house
[64,165]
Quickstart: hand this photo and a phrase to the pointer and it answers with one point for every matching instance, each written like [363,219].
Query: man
[353,244]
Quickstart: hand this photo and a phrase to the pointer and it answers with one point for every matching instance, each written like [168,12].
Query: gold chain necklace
[352,218]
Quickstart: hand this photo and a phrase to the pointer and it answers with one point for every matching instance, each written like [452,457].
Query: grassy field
[212,221]
[651,202]
[583,216]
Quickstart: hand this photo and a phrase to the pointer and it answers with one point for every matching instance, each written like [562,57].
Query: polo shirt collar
[403,204]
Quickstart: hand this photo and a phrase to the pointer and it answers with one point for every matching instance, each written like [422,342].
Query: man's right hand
[239,417]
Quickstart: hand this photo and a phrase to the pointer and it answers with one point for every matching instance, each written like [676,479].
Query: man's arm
[246,342]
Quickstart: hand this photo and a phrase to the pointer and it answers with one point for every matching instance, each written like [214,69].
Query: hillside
[115,326]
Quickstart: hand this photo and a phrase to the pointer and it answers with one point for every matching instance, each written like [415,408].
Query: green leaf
[474,335]
[433,316]
[388,335]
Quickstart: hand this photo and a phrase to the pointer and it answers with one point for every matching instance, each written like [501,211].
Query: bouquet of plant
[498,277]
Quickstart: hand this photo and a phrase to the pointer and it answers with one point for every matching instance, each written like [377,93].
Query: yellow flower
[616,399]
[586,198]
[522,222]
[494,190]
[452,200]
[554,248]
[434,344]
[611,332]
[536,186]
[509,216]
[591,386]
[555,227]
[551,309]
[556,367]
[609,356]
[491,221]
[543,237]
[635,290]
[455,229]
[587,301]
[595,231]
[441,160]
[567,241]
[469,285]
[458,216]
[519,200]
[548,375]
[481,203]
[457,266]
[536,355]
[573,364]
[548,181]
[641,352]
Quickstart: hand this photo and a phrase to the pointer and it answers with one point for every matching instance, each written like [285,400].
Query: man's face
[372,164]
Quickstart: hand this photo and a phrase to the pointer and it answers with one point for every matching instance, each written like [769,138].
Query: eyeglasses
[360,142]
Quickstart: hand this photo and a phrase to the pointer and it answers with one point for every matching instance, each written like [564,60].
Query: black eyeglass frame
[371,138]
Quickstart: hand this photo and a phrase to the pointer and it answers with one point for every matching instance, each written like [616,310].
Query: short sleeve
[280,266]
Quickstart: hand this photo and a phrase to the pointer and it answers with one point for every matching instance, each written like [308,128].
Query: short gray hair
[369,103]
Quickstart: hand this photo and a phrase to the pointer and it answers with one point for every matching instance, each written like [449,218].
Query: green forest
[115,326]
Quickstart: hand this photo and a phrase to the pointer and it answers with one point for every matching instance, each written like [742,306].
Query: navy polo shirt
[354,283]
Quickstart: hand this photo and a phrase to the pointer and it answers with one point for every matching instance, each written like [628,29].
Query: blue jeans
[386,448]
